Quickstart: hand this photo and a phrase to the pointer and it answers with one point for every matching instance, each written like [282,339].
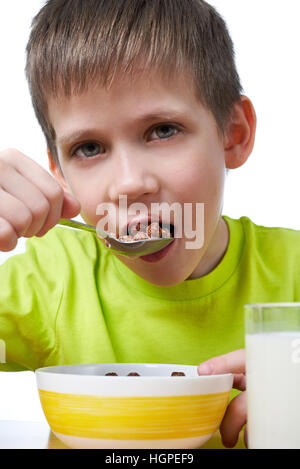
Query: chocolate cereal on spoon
[142,238]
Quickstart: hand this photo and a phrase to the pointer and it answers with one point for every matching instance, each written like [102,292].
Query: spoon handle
[77,225]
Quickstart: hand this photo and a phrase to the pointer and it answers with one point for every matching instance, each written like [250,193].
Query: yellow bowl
[86,409]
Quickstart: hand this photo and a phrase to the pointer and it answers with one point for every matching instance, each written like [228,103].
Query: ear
[56,171]
[240,136]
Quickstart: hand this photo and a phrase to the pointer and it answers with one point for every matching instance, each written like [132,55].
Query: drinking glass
[273,375]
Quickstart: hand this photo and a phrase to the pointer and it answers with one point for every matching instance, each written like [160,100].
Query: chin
[174,269]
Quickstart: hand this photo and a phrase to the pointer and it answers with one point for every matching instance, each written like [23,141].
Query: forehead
[128,98]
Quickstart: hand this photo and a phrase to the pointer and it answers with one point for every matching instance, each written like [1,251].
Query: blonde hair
[74,44]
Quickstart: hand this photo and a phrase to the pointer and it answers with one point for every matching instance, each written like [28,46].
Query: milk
[273,389]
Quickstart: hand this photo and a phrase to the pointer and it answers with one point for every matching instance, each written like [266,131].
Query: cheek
[89,201]
[200,180]
[87,191]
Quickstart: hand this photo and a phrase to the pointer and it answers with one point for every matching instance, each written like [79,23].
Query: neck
[214,253]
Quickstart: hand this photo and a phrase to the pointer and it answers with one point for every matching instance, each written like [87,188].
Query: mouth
[140,229]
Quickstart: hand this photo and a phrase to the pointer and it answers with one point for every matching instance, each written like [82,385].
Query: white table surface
[37,435]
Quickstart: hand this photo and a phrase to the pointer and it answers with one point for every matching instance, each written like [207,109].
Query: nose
[133,176]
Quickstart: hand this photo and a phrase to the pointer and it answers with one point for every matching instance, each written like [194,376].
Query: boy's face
[153,141]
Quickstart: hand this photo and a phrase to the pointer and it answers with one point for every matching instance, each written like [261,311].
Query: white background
[266,35]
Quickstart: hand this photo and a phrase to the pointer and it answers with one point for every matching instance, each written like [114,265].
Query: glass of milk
[273,374]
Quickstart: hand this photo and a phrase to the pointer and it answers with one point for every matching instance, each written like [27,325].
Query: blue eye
[165,131]
[88,150]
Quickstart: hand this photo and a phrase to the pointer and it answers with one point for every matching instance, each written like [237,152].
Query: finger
[8,236]
[71,206]
[246,436]
[15,185]
[15,213]
[234,419]
[233,362]
[62,204]
[39,178]
[29,169]
[239,382]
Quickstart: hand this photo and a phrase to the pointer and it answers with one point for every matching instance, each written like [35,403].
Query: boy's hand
[236,413]
[31,200]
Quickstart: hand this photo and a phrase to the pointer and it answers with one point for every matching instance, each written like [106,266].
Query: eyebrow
[143,119]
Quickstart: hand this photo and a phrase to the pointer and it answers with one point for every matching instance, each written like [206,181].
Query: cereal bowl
[100,406]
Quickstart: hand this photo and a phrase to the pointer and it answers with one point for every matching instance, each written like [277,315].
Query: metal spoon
[130,249]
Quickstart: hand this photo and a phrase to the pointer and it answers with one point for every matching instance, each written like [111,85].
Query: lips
[157,256]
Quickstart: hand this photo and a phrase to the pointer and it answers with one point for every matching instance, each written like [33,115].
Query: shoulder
[264,235]
[271,238]
[272,249]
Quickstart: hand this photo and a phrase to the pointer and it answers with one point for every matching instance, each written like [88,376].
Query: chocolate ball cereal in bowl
[132,405]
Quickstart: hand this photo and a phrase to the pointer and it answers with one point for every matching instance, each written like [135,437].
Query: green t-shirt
[68,300]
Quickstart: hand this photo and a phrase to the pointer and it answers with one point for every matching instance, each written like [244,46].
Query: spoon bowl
[124,248]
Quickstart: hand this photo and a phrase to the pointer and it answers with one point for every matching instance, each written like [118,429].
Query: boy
[138,99]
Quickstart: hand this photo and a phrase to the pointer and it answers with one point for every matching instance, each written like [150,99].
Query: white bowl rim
[54,371]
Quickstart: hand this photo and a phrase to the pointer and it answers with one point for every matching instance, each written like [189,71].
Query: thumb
[71,207]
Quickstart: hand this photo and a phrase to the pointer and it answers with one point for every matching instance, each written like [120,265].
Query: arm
[31,203]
